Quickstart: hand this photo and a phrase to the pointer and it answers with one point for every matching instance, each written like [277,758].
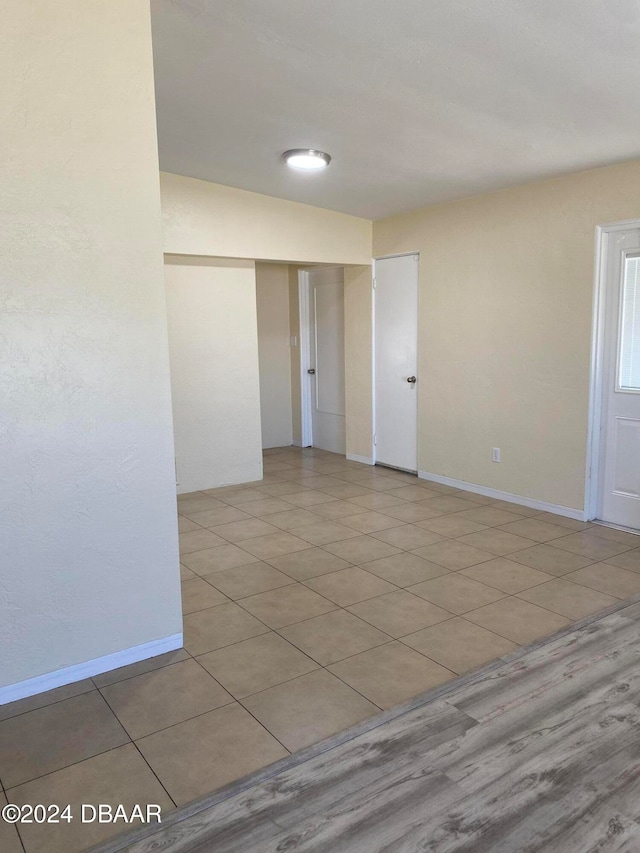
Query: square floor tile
[238,496]
[376,500]
[276,490]
[224,515]
[345,490]
[361,549]
[390,674]
[219,626]
[399,613]
[370,522]
[349,586]
[265,507]
[409,493]
[186,574]
[196,757]
[497,541]
[138,668]
[249,528]
[9,838]
[451,526]
[506,575]
[553,561]
[309,563]
[196,503]
[609,579]
[198,540]
[630,560]
[568,599]
[337,509]
[292,518]
[491,516]
[185,525]
[615,535]
[517,620]
[588,545]
[256,664]
[456,593]
[450,503]
[453,554]
[31,703]
[310,497]
[532,528]
[405,569]
[120,776]
[408,537]
[286,605]
[459,645]
[563,521]
[324,532]
[55,736]
[412,512]
[197,594]
[217,559]
[309,708]
[248,580]
[333,636]
[159,699]
[274,545]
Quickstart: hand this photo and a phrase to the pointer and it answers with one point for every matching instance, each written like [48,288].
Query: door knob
[411,380]
[311,370]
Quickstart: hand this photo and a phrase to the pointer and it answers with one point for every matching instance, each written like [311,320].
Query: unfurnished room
[320,426]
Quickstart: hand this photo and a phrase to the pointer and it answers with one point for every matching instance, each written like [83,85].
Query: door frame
[306,401]
[593,472]
[373,353]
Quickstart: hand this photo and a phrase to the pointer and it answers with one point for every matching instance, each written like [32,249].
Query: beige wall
[201,218]
[274,349]
[88,532]
[358,360]
[294,329]
[213,340]
[506,283]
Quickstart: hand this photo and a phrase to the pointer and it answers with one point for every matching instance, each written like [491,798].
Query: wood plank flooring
[538,752]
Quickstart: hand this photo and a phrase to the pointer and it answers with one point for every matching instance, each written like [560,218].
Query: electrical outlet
[495,454]
[293,341]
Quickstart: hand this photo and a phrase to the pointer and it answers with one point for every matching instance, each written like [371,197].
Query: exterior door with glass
[619,477]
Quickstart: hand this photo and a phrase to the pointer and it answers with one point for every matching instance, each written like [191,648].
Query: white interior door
[396,361]
[326,330]
[619,478]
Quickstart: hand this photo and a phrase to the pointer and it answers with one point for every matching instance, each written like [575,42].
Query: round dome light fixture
[306,159]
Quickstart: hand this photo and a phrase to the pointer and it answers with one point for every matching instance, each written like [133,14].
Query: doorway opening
[322,358]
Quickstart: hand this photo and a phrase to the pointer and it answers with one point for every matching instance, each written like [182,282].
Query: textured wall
[213,340]
[506,291]
[358,360]
[88,539]
[274,350]
[201,218]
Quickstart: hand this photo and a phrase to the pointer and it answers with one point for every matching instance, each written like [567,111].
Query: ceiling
[417,101]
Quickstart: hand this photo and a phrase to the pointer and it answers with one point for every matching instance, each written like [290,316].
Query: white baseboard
[532,503]
[69,674]
[366,460]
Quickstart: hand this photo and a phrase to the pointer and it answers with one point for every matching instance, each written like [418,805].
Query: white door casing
[396,361]
[322,362]
[618,500]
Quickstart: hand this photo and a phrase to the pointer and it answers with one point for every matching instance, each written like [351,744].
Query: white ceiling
[417,101]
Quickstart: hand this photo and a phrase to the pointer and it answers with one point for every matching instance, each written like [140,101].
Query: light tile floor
[314,598]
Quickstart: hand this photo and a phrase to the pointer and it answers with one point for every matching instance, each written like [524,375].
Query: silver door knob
[311,370]
[411,380]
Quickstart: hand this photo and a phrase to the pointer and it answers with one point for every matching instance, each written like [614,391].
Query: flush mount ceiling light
[306,159]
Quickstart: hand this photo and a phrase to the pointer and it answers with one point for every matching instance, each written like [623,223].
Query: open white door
[324,360]
[396,361]
[619,456]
